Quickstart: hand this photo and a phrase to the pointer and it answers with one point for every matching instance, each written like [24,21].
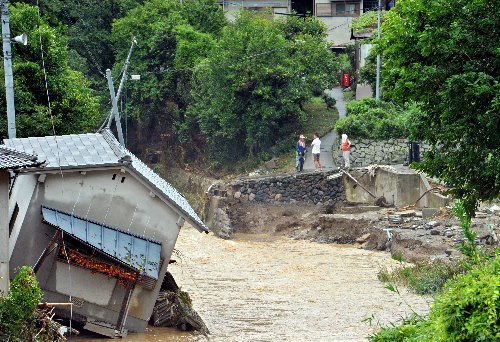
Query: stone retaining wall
[320,188]
[366,152]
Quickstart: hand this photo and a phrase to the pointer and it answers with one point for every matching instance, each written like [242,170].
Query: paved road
[328,140]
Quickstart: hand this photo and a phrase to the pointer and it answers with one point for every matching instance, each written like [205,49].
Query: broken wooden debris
[173,308]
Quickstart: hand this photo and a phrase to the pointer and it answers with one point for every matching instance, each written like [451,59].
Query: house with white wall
[99,227]
[10,161]
[336,14]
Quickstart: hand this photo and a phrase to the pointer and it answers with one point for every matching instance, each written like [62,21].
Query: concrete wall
[399,187]
[129,205]
[366,152]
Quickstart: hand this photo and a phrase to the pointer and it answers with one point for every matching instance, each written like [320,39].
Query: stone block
[428,212]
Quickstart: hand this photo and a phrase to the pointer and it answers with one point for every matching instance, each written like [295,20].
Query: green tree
[171,39]
[72,104]
[87,26]
[17,316]
[250,89]
[445,55]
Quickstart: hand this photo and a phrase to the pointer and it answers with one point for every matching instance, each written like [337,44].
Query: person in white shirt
[316,144]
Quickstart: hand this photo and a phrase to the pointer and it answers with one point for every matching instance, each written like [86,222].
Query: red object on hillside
[346,80]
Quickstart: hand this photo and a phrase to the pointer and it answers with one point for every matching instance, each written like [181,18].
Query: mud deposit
[262,288]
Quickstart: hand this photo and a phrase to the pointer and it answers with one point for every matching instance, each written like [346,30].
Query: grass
[350,95]
[422,278]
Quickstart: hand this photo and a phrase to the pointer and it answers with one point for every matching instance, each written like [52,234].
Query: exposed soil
[413,238]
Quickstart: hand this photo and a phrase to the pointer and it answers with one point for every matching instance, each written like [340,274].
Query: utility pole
[114,99]
[7,62]
[377,91]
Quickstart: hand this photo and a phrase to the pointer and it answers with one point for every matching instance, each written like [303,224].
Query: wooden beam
[49,249]
[125,306]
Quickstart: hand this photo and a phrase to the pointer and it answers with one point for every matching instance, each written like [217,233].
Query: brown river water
[261,288]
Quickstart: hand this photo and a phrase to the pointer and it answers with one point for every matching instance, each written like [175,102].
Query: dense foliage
[368,21]
[467,310]
[87,27]
[72,104]
[17,319]
[172,38]
[261,72]
[372,119]
[445,55]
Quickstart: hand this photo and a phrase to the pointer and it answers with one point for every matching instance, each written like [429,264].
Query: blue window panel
[109,241]
[139,253]
[124,248]
[94,234]
[65,221]
[79,229]
[50,216]
[153,263]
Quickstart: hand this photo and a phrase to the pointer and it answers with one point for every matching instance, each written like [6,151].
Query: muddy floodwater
[260,288]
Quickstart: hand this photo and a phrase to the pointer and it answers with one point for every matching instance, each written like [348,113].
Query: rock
[435,232]
[251,197]
[277,197]
[237,194]
[428,212]
[363,238]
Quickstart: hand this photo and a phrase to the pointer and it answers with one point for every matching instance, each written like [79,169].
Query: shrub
[423,278]
[17,317]
[372,119]
[468,308]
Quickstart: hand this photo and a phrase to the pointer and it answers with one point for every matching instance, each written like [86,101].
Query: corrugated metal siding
[136,251]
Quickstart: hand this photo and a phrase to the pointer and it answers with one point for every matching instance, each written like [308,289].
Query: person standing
[346,149]
[316,145]
[301,149]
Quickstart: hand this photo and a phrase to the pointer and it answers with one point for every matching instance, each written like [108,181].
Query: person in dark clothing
[301,149]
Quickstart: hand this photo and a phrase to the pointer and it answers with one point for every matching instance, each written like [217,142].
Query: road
[327,141]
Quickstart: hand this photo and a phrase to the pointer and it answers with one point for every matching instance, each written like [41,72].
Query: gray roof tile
[11,159]
[97,150]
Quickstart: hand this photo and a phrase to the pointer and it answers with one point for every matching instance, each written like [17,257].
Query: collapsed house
[99,227]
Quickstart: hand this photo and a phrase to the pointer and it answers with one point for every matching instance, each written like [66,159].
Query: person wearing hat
[301,149]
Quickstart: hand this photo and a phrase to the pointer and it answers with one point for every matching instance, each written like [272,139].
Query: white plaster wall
[21,194]
[131,206]
[95,288]
[364,51]
[338,29]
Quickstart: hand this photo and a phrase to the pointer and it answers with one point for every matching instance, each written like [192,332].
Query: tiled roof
[68,151]
[136,251]
[11,159]
[99,150]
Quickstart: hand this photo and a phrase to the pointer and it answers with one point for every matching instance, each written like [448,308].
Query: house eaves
[12,160]
[102,150]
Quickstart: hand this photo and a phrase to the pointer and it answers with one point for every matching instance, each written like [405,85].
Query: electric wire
[57,144]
